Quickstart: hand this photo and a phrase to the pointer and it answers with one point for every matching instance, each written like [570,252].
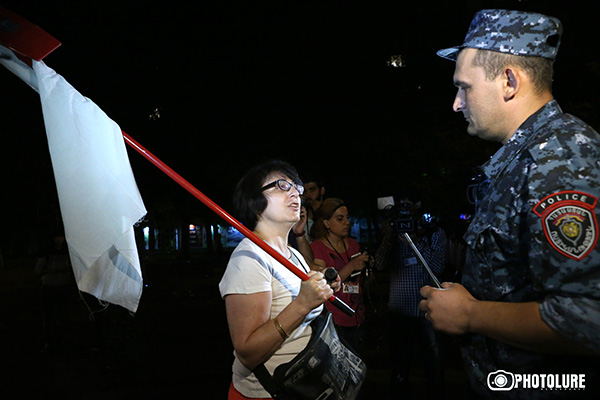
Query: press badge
[351,288]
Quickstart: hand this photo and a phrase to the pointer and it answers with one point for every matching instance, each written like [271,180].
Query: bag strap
[261,372]
[267,381]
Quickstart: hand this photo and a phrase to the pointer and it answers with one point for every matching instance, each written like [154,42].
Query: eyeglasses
[284,185]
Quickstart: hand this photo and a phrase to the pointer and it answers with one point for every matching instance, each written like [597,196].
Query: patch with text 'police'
[569,222]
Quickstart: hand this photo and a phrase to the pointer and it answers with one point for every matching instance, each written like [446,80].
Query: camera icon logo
[500,380]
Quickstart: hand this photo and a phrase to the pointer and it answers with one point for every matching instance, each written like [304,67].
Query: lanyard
[337,252]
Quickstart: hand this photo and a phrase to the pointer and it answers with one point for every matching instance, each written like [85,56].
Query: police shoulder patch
[569,222]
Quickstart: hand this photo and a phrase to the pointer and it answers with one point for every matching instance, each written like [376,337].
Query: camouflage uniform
[512,32]
[519,251]
[534,233]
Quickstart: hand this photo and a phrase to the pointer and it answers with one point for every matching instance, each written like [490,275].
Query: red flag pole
[223,214]
[31,42]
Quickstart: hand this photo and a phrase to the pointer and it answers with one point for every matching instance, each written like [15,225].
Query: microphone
[331,275]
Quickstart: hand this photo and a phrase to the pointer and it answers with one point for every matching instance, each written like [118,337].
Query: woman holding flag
[269,309]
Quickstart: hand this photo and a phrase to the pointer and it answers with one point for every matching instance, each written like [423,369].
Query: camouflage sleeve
[577,318]
[564,189]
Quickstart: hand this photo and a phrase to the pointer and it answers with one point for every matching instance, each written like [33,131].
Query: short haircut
[540,70]
[312,178]
[249,200]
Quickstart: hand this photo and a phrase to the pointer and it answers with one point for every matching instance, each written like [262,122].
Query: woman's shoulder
[247,260]
[317,244]
[244,244]
[320,249]
[248,252]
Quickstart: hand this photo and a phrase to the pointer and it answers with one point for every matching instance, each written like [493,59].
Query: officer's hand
[449,308]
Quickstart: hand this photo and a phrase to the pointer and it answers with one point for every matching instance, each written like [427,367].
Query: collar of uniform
[524,135]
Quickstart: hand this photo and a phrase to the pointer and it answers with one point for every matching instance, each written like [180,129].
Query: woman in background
[332,247]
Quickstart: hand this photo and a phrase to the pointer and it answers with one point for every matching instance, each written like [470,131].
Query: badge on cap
[569,222]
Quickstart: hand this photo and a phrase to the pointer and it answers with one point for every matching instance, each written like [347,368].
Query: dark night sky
[238,82]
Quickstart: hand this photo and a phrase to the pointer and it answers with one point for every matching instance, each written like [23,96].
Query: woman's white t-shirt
[252,270]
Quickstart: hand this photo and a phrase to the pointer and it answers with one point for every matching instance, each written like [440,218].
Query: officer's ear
[512,83]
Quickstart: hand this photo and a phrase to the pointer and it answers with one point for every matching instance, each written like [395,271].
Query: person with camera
[407,323]
[333,247]
[529,299]
[269,309]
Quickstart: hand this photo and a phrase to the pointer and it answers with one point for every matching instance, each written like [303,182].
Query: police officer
[529,303]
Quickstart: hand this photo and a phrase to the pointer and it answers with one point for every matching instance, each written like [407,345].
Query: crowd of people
[316,236]
[527,303]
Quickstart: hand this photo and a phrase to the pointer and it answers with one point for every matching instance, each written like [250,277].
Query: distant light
[427,217]
[155,114]
[396,61]
[192,227]
[146,231]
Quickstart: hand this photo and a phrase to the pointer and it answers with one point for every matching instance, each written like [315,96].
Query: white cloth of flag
[98,195]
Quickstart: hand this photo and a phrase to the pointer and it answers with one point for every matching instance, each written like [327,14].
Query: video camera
[406,217]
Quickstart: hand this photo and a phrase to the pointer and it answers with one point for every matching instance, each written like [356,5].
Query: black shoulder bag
[326,369]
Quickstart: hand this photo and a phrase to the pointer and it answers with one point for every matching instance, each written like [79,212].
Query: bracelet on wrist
[280,329]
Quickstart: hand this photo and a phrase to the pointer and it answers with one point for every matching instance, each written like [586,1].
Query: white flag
[99,198]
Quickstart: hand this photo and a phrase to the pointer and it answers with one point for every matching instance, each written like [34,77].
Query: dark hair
[249,200]
[313,178]
[325,211]
[539,69]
